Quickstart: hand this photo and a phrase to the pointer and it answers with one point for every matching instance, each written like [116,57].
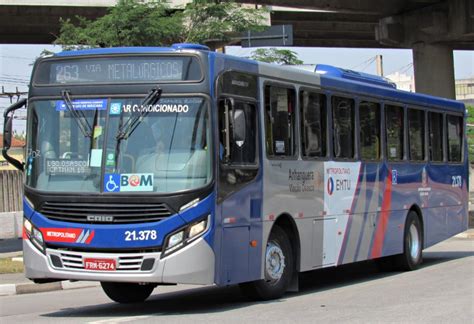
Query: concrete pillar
[434,70]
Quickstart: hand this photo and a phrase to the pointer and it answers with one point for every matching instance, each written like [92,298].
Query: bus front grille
[75,261]
[105,213]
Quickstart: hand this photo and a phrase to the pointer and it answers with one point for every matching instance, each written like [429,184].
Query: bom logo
[128,182]
[330,186]
[136,180]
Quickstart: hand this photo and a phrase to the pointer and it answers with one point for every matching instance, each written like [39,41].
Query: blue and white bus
[157,166]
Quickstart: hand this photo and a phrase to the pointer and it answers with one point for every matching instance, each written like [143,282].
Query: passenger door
[239,194]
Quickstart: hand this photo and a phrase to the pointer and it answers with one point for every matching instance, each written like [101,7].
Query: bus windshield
[167,150]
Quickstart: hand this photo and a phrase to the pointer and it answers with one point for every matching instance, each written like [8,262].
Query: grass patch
[9,266]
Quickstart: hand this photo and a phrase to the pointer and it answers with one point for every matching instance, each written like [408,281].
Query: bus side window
[313,124]
[455,133]
[416,132]
[394,128]
[369,116]
[436,136]
[343,127]
[280,121]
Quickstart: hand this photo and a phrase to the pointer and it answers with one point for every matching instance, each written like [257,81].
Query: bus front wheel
[279,268]
[125,293]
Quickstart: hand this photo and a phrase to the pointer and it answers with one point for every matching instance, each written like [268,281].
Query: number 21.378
[140,235]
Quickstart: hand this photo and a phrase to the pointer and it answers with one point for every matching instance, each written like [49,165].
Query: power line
[18,57]
[13,79]
[402,69]
[14,75]
[369,61]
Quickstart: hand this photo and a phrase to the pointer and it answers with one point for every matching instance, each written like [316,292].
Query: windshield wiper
[133,121]
[78,115]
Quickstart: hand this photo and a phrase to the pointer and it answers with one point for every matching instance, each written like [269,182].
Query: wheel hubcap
[414,242]
[274,262]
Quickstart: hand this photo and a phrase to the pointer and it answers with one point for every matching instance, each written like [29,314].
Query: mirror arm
[227,103]
[7,133]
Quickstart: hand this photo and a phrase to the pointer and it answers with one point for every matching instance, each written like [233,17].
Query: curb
[30,288]
[466,235]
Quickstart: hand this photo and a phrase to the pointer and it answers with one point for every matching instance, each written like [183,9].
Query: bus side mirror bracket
[8,133]
[228,112]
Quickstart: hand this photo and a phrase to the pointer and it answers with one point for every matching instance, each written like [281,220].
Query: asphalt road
[440,292]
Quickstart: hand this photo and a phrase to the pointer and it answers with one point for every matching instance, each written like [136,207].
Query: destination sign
[119,70]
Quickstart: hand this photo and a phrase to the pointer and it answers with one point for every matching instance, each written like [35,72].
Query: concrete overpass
[432,28]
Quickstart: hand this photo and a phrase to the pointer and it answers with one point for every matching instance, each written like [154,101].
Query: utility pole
[11,95]
[379,60]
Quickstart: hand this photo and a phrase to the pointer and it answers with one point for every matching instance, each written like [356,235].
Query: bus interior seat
[178,170]
[141,141]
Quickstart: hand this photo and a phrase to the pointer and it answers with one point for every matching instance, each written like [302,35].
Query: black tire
[125,293]
[412,255]
[270,288]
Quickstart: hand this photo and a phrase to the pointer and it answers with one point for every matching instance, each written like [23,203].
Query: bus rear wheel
[412,255]
[279,268]
[125,293]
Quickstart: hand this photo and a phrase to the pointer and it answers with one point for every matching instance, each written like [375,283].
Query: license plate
[100,264]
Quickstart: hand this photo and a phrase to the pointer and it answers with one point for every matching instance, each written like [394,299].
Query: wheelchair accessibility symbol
[112,182]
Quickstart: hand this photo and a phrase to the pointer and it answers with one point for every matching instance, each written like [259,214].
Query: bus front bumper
[194,264]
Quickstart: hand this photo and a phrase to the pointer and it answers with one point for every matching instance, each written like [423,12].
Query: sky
[357,58]
[16,63]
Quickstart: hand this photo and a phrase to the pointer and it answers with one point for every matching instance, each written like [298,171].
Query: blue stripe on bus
[114,236]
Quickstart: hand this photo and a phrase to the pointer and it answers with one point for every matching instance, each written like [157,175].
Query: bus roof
[133,50]
[362,88]
[333,81]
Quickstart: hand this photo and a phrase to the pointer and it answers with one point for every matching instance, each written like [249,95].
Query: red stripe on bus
[383,220]
[91,236]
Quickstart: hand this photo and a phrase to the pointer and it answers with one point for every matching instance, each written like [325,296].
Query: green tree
[216,23]
[128,23]
[153,23]
[470,132]
[275,55]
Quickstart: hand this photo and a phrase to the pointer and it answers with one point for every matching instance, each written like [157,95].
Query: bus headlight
[28,226]
[175,240]
[185,235]
[38,236]
[34,235]
[197,228]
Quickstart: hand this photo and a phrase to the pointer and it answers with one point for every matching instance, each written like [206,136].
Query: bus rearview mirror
[239,127]
[7,133]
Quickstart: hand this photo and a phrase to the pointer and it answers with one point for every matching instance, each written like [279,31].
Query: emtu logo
[330,186]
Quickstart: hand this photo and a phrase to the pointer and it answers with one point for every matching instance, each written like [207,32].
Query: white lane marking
[122,319]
